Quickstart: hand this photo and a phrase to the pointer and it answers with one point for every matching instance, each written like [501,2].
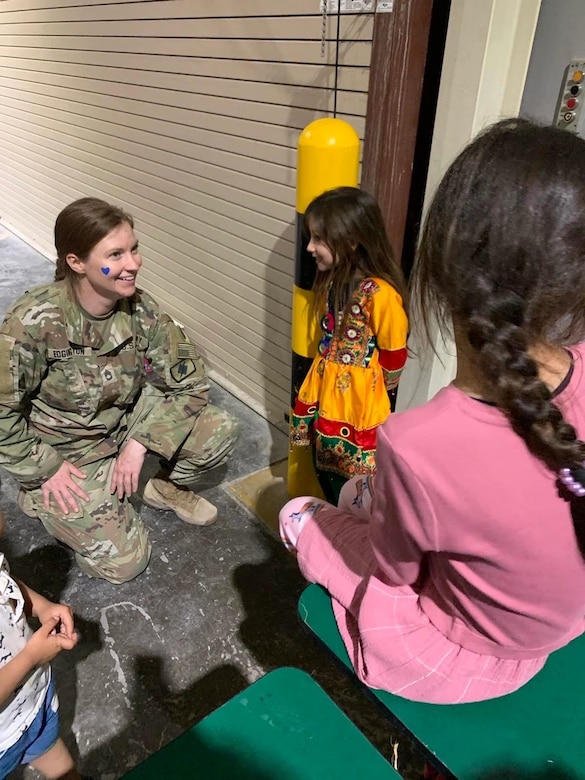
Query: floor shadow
[175,712]
[184,708]
[45,569]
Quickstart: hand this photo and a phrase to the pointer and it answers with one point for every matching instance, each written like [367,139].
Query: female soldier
[92,375]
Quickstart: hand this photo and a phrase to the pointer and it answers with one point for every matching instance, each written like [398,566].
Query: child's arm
[43,609]
[42,647]
[403,525]
[389,324]
[55,634]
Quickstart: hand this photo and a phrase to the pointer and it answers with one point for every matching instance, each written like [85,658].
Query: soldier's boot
[25,504]
[191,508]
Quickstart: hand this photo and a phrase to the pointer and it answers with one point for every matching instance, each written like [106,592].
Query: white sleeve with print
[21,708]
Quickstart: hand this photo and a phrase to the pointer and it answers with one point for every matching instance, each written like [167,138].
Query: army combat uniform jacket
[68,382]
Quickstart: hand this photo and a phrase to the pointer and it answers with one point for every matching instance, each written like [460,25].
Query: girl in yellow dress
[360,295]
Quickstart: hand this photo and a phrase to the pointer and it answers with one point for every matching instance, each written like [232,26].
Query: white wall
[188,115]
[486,58]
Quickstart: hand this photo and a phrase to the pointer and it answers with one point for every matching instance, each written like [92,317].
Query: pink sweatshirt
[457,489]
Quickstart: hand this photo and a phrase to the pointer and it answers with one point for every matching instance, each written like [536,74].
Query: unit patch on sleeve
[183,369]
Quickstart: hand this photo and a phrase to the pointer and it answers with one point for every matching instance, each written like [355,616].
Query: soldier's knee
[231,433]
[221,436]
[116,567]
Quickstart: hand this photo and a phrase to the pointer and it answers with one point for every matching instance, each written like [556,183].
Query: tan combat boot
[191,508]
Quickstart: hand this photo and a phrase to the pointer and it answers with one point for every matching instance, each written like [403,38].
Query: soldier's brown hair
[79,227]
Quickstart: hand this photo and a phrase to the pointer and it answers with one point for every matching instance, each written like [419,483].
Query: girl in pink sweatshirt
[459,567]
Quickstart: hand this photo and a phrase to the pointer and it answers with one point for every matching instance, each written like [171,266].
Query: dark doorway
[405,73]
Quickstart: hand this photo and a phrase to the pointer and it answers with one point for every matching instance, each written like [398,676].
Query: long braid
[502,255]
[495,331]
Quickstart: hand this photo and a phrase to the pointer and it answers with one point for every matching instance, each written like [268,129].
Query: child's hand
[48,641]
[45,609]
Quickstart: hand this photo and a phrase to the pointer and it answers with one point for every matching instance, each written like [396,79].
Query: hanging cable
[323,26]
[337,37]
[324,14]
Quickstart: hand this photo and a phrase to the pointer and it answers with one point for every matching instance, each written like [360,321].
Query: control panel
[570,112]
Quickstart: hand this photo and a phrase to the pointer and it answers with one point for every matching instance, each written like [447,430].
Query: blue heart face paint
[105,271]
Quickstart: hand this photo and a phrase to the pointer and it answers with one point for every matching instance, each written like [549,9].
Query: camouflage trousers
[107,535]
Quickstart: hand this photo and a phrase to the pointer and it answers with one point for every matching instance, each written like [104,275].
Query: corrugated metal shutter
[187,113]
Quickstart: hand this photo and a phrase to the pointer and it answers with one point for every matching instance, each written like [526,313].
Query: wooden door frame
[407,55]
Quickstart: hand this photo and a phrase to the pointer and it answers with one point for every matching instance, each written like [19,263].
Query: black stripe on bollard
[299,369]
[305,268]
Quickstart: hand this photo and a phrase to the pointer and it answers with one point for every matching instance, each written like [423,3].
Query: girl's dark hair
[349,221]
[79,227]
[502,257]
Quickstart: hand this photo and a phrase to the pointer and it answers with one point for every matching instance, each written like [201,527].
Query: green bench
[536,733]
[282,726]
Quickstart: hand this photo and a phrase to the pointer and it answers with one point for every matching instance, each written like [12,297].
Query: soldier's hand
[64,489]
[127,469]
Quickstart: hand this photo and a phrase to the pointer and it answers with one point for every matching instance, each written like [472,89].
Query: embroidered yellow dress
[344,397]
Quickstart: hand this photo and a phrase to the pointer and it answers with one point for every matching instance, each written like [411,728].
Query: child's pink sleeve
[403,525]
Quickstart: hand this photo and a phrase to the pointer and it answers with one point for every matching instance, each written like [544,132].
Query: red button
[571,103]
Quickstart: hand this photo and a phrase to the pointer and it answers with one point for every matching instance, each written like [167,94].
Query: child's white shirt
[20,709]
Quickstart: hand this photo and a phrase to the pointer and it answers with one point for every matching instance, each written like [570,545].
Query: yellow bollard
[327,157]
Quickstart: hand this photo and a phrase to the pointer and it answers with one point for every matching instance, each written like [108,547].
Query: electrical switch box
[570,114]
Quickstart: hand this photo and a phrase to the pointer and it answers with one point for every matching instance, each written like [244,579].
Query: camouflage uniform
[76,388]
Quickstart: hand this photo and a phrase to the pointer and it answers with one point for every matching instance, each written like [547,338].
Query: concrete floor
[214,611]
